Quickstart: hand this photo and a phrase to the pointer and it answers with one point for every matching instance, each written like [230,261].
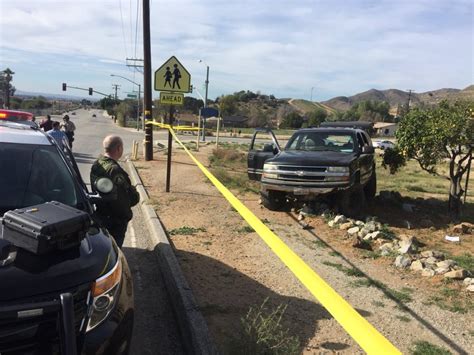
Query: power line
[136,26]
[123,29]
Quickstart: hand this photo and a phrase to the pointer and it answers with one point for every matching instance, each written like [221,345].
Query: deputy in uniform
[115,211]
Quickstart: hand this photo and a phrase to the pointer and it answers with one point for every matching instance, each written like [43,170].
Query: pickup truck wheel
[273,200]
[371,189]
[352,203]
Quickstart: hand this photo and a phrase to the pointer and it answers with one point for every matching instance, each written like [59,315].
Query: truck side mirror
[268,147]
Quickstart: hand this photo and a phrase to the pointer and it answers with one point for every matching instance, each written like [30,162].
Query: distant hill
[28,94]
[398,97]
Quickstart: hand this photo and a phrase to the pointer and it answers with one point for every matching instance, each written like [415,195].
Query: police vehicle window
[33,175]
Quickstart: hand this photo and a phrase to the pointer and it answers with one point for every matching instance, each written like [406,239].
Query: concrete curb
[193,326]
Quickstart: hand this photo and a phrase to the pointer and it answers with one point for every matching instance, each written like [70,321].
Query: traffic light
[90,91]
[64,86]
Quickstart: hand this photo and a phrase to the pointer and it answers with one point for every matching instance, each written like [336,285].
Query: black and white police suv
[65,286]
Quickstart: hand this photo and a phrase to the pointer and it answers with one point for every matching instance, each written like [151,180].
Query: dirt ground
[230,269]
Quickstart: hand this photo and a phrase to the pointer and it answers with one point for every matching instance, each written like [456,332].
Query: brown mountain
[398,97]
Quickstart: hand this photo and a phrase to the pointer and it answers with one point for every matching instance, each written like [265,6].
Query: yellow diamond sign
[172,76]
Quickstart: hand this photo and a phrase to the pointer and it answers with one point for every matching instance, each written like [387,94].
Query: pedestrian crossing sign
[172,77]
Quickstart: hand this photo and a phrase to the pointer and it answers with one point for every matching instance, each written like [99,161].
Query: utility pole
[147,116]
[116,86]
[409,97]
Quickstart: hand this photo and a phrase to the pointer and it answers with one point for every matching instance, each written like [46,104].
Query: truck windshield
[321,141]
[34,174]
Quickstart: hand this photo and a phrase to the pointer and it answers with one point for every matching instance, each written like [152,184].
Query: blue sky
[280,47]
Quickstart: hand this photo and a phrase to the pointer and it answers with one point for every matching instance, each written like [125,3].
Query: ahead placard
[170,98]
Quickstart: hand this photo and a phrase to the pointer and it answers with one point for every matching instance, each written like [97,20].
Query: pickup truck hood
[305,158]
[30,275]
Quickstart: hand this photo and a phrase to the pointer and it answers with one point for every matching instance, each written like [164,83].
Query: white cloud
[282,47]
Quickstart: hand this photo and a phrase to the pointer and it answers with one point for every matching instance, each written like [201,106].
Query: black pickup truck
[335,162]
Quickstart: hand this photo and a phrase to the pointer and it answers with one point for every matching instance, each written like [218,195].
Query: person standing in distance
[58,135]
[114,212]
[68,128]
[47,125]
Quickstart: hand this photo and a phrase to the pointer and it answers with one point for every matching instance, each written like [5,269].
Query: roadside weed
[264,334]
[378,304]
[245,229]
[466,261]
[403,319]
[334,253]
[425,348]
[349,271]
[186,231]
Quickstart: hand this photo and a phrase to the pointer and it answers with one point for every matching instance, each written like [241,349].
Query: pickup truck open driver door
[260,152]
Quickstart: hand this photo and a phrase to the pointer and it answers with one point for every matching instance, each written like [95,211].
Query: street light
[138,108]
[205,99]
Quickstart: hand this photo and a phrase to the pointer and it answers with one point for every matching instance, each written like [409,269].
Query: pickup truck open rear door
[261,150]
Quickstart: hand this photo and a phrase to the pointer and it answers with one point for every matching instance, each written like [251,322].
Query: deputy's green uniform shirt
[124,194]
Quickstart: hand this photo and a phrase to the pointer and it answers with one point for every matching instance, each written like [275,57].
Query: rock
[470,288]
[417,265]
[359,243]
[456,274]
[402,261]
[408,207]
[306,210]
[426,223]
[331,224]
[427,272]
[431,261]
[346,225]
[353,231]
[468,281]
[441,270]
[373,236]
[363,232]
[427,253]
[370,226]
[339,219]
[464,228]
[359,223]
[446,264]
[407,245]
[300,217]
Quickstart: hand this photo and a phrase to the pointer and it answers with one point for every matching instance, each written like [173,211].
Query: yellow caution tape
[369,339]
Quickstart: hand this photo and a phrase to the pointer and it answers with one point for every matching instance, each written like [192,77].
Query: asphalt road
[155,330]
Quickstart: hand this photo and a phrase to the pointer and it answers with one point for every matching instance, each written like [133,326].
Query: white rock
[456,274]
[331,224]
[431,261]
[428,272]
[300,217]
[353,231]
[339,219]
[407,246]
[441,270]
[370,226]
[359,223]
[446,263]
[363,232]
[345,226]
[402,261]
[427,253]
[468,281]
[376,235]
[470,288]
[417,265]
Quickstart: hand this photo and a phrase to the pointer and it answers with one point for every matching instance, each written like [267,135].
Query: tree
[6,88]
[292,120]
[432,135]
[316,117]
[228,105]
[193,105]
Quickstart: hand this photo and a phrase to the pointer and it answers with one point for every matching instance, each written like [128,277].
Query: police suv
[65,286]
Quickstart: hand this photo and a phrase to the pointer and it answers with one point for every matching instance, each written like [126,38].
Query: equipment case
[46,227]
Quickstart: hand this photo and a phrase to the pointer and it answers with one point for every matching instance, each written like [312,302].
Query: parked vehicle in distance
[334,162]
[383,144]
[94,115]
[73,113]
[92,271]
